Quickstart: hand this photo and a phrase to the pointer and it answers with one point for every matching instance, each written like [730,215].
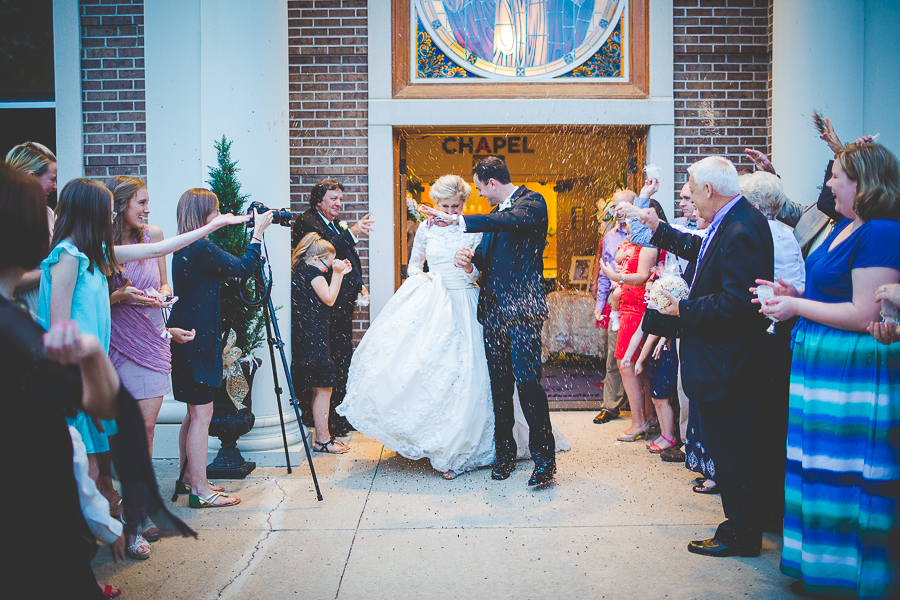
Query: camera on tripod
[280,216]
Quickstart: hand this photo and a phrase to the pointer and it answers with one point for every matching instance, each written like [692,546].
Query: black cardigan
[197,272]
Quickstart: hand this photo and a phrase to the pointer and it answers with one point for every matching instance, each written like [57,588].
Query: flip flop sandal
[703,489]
[109,591]
[133,551]
[323,447]
[195,501]
[656,448]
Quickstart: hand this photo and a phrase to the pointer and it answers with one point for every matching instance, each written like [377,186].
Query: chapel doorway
[576,169]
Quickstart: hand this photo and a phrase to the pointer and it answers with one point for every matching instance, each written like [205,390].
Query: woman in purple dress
[139,340]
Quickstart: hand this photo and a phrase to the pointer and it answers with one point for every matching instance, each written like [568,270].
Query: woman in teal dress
[843,473]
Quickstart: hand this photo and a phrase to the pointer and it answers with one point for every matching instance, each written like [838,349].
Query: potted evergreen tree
[229,422]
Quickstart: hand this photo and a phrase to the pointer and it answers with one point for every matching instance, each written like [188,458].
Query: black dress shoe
[542,475]
[501,469]
[713,547]
[673,454]
[605,416]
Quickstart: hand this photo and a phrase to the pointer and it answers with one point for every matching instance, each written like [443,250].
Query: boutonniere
[342,224]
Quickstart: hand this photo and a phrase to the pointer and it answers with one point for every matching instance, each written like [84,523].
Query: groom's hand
[463,259]
[435,214]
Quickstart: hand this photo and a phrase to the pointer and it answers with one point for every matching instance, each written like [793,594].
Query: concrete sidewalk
[615,525]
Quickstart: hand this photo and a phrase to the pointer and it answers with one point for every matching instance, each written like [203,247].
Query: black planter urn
[228,424]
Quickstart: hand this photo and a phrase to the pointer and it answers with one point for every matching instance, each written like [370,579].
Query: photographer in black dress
[197,273]
[325,201]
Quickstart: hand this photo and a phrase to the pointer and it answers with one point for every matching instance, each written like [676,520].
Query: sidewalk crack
[358,522]
[240,576]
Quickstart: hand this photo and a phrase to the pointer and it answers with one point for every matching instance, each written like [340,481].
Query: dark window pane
[26,50]
[18,125]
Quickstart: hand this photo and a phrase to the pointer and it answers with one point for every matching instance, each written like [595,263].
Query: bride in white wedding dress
[418,381]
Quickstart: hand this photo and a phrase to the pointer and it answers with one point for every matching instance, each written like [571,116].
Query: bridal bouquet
[669,281]
[412,210]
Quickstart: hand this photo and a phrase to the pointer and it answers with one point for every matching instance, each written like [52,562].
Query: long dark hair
[82,215]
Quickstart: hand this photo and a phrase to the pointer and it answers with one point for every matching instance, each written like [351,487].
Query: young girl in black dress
[313,367]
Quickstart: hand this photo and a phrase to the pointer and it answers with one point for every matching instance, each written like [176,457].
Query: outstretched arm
[525,214]
[132,252]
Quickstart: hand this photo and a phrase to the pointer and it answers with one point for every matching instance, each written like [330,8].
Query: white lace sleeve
[417,254]
[475,240]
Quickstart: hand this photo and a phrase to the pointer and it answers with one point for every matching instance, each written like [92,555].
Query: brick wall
[112,84]
[722,80]
[328,70]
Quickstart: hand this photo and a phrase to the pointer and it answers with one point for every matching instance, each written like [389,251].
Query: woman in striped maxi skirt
[843,455]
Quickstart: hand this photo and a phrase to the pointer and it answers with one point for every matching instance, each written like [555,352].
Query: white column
[817,63]
[67,84]
[214,68]
[661,152]
[882,73]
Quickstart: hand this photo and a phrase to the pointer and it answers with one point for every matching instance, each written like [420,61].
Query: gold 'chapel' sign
[511,144]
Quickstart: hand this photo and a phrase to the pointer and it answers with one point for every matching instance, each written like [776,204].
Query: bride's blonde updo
[449,186]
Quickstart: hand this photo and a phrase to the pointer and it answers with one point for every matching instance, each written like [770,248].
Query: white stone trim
[67,83]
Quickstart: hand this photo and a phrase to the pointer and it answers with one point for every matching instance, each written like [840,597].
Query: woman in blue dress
[843,472]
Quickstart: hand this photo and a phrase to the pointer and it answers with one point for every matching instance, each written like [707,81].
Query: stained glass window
[519,40]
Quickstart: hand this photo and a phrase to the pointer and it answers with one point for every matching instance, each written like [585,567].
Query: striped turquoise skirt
[843,473]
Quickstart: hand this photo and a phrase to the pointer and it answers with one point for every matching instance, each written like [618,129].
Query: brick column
[328,72]
[112,83]
[722,71]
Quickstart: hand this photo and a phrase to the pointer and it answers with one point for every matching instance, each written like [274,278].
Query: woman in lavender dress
[139,340]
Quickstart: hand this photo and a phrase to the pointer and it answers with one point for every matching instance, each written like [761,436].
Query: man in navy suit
[512,309]
[723,342]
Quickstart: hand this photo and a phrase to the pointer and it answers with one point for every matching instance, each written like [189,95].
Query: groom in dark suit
[722,342]
[512,308]
[325,202]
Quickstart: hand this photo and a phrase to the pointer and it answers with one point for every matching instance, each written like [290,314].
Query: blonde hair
[764,190]
[311,247]
[30,157]
[449,186]
[123,190]
[876,172]
[194,207]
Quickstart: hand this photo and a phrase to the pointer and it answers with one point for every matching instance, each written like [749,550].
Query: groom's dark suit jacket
[721,329]
[510,257]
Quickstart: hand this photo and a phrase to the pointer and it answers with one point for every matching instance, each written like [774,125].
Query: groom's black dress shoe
[501,469]
[713,547]
[542,475]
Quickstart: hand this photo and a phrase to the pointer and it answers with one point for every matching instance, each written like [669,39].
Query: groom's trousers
[513,349]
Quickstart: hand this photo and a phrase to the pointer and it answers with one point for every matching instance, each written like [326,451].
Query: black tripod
[277,342]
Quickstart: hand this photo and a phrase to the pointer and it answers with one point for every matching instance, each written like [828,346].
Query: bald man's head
[623,196]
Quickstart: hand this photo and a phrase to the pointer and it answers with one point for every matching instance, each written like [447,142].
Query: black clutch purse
[655,323]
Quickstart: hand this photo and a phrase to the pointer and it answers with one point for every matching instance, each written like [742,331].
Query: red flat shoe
[110,591]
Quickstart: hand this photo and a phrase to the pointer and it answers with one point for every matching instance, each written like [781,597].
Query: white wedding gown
[419,381]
